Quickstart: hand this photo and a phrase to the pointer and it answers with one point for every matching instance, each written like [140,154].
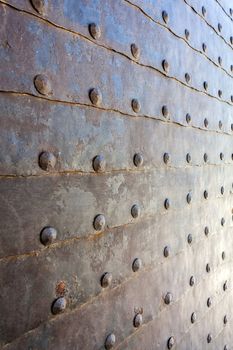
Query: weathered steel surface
[116,175]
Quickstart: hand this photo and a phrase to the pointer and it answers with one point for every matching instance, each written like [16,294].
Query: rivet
[99,222]
[189,238]
[110,341]
[209,338]
[207,268]
[192,281]
[165,66]
[135,211]
[187,77]
[59,306]
[137,264]
[203,10]
[206,194]
[220,124]
[188,118]
[222,221]
[168,298]
[138,159]
[223,255]
[205,157]
[225,319]
[205,85]
[186,33]
[219,27]
[189,198]
[136,106]
[165,16]
[231,98]
[206,122]
[222,190]
[225,286]
[99,163]
[135,51]
[206,230]
[39,6]
[231,40]
[170,342]
[193,317]
[95,96]
[47,161]
[42,84]
[94,30]
[106,280]
[166,158]
[231,127]
[220,60]
[188,157]
[204,47]
[209,302]
[220,93]
[221,155]
[231,67]
[231,11]
[165,111]
[137,322]
[167,203]
[48,235]
[166,251]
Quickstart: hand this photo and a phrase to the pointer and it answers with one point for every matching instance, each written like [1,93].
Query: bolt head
[165,66]
[135,51]
[206,230]
[99,222]
[39,6]
[203,10]
[137,264]
[206,122]
[192,281]
[225,319]
[222,190]
[205,157]
[189,238]
[189,198]
[170,342]
[110,341]
[193,317]
[205,85]
[231,40]
[220,124]
[94,31]
[137,322]
[220,60]
[225,286]
[136,106]
[106,280]
[166,158]
[209,338]
[165,111]
[206,194]
[48,235]
[209,302]
[59,306]
[220,93]
[165,16]
[222,221]
[47,161]
[95,96]
[138,159]
[208,268]
[188,158]
[219,27]
[99,163]
[204,47]
[188,118]
[135,211]
[166,252]
[223,255]
[187,78]
[167,204]
[186,33]
[168,298]
[221,156]
[42,84]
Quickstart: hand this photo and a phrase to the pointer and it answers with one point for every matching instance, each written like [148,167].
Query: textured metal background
[160,117]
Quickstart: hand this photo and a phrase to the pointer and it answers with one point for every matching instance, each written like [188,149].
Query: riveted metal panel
[115,175]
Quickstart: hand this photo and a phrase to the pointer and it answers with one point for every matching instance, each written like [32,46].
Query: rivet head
[48,235]
[110,341]
[220,124]
[193,317]
[168,298]
[165,16]
[188,158]
[137,322]
[205,157]
[209,338]
[135,51]
[135,211]
[206,122]
[206,230]
[231,40]
[95,96]
[221,156]
[186,33]
[205,85]
[231,98]
[231,11]
[94,30]
[167,204]
[231,127]
[137,264]
[188,118]
[220,93]
[192,281]
[47,161]
[219,27]
[187,78]
[225,319]
[204,47]
[189,238]
[225,286]
[59,306]
[39,6]
[99,163]
[138,159]
[208,268]
[166,158]
[189,198]
[136,106]
[231,67]
[220,60]
[166,251]
[170,342]
[99,222]
[223,255]
[206,194]
[42,85]
[106,280]
[203,10]
[165,111]
[209,302]
[222,190]
[165,65]
[222,221]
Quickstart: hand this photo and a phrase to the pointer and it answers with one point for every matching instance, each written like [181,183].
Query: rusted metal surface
[115,175]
